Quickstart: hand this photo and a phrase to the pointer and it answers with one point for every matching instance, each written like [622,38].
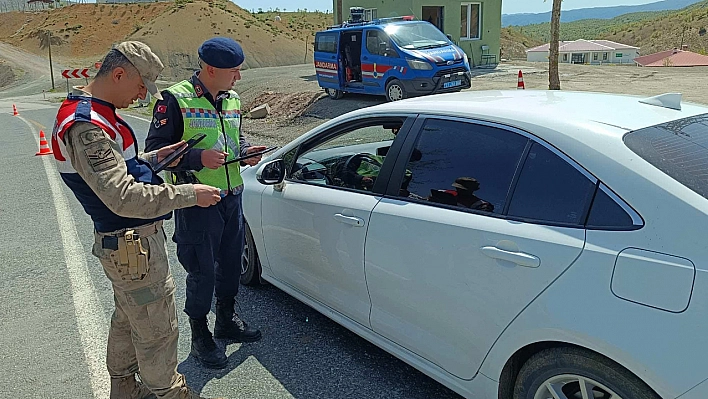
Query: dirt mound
[285,106]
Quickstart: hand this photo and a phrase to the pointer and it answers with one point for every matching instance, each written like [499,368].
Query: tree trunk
[553,77]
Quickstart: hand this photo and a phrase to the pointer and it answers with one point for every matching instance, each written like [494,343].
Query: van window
[376,42]
[326,42]
[416,35]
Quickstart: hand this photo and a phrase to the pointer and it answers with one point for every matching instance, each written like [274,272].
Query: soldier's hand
[206,195]
[163,152]
[213,159]
[256,159]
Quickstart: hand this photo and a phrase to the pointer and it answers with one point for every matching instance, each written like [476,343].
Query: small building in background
[673,58]
[586,52]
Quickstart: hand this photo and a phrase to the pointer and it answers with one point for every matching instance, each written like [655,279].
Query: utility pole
[51,68]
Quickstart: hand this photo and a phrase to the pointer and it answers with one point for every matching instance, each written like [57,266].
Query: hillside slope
[83,33]
[593,12]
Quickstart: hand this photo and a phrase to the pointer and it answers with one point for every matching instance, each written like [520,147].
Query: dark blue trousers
[210,246]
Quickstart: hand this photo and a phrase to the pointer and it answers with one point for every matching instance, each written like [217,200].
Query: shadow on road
[313,357]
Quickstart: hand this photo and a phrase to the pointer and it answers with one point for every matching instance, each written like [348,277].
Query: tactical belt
[110,240]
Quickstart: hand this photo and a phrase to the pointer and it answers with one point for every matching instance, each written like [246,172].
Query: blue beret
[221,52]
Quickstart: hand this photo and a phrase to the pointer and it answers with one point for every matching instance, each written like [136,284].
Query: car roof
[555,110]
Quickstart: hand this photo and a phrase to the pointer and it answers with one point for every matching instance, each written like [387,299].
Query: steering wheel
[363,156]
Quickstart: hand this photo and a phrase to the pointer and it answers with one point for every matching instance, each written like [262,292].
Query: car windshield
[678,148]
[416,36]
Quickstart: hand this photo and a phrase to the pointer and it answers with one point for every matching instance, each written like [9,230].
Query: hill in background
[83,33]
[651,31]
[594,12]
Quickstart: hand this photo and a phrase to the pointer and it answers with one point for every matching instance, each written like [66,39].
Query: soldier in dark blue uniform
[210,240]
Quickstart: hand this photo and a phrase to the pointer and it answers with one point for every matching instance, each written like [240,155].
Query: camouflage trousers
[143,333]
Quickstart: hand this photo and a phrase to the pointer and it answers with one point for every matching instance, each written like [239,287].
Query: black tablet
[171,158]
[255,154]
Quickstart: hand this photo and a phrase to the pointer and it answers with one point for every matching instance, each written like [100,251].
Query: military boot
[187,393]
[129,388]
[230,326]
[204,348]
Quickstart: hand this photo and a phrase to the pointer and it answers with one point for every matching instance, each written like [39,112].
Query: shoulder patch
[158,123]
[92,136]
[100,156]
[161,109]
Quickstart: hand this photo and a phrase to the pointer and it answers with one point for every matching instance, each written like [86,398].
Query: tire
[250,263]
[565,368]
[395,90]
[334,94]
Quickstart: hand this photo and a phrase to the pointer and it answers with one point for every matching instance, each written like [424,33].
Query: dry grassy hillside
[514,43]
[266,42]
[82,33]
[81,30]
[688,26]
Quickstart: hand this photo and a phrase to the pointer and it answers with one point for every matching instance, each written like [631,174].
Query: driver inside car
[361,170]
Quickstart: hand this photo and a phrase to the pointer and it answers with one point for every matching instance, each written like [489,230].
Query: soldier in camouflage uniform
[97,156]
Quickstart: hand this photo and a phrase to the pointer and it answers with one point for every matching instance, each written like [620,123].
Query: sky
[508,6]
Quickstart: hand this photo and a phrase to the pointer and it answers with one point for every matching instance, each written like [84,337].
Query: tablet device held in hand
[254,154]
[171,158]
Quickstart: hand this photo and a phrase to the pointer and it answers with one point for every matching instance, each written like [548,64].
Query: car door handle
[365,58]
[520,258]
[352,220]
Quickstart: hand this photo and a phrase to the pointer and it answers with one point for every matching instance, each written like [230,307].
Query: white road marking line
[137,117]
[92,325]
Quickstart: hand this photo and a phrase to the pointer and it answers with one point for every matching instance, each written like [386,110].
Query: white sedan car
[520,244]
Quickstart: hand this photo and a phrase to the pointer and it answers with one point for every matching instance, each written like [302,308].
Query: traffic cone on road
[14,110]
[521,85]
[43,145]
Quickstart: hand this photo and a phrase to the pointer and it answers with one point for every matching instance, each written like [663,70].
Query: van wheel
[395,90]
[250,264]
[577,373]
[334,94]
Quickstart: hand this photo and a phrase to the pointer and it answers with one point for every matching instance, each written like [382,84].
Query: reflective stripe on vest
[200,116]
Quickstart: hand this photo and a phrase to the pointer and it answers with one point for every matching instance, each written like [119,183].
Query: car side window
[607,213]
[464,165]
[550,189]
[351,159]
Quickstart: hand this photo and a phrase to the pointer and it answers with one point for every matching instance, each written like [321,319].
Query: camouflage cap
[145,61]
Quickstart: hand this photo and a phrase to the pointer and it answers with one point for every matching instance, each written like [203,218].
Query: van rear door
[327,60]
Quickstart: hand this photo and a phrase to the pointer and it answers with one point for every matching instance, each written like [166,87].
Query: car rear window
[678,148]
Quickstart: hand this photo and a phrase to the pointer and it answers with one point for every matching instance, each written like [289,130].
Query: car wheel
[395,90]
[250,264]
[572,373]
[334,94]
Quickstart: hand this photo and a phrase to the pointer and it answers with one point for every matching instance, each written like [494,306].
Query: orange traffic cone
[14,110]
[521,85]
[43,145]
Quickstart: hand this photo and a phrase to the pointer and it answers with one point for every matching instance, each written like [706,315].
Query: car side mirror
[271,173]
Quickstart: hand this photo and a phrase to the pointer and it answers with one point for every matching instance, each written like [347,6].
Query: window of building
[595,56]
[565,57]
[471,21]
[604,56]
[370,14]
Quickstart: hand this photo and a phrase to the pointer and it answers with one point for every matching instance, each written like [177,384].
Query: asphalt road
[55,304]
